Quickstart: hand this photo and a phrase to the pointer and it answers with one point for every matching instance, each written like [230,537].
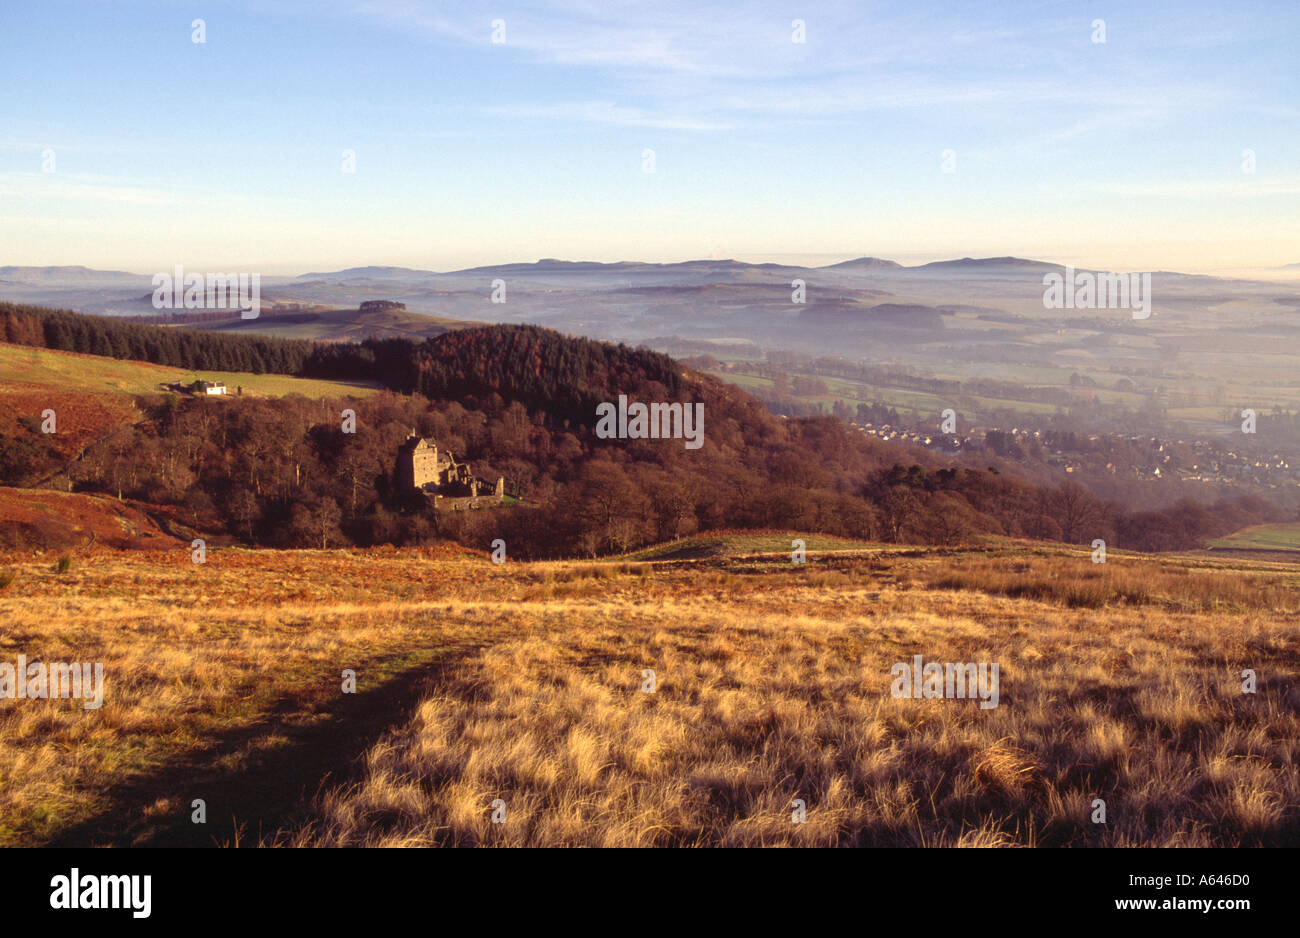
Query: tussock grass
[783,695]
[1131,581]
[773,684]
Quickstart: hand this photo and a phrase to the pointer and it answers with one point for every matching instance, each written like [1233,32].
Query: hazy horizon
[1282,273]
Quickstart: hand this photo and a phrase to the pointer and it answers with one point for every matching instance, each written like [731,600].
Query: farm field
[1204,411]
[910,403]
[523,685]
[22,367]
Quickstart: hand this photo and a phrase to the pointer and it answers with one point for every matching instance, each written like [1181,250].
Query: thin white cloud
[605,112]
[712,66]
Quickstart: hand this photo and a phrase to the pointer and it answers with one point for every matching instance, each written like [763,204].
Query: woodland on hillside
[519,401]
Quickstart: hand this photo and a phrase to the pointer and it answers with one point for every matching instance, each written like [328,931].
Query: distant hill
[986,264]
[554,266]
[551,265]
[337,325]
[865,263]
[70,276]
[543,369]
[369,273]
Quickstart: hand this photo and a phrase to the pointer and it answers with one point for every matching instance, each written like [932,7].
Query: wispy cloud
[713,66]
[605,112]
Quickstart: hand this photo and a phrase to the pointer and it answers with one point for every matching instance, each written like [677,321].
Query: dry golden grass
[524,683]
[1134,580]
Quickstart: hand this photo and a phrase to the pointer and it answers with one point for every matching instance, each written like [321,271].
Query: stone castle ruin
[421,467]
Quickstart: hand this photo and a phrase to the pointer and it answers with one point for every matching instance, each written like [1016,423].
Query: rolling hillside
[23,367]
[39,520]
[92,397]
[340,325]
[1262,537]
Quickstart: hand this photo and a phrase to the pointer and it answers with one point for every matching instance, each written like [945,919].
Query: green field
[1262,537]
[918,403]
[1190,403]
[35,366]
[743,544]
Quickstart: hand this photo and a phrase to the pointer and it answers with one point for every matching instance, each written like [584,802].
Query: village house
[206,388]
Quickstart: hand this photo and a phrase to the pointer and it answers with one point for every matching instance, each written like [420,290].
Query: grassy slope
[1262,537]
[24,366]
[90,395]
[523,682]
[40,518]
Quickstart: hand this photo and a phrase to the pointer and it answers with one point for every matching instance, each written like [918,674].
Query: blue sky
[228,154]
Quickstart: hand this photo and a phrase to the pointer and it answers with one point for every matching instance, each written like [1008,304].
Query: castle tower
[421,468]
[417,463]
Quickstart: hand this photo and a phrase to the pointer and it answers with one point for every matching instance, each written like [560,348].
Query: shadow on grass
[250,792]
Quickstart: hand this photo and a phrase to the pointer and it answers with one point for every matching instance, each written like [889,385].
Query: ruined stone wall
[454,486]
[467,503]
